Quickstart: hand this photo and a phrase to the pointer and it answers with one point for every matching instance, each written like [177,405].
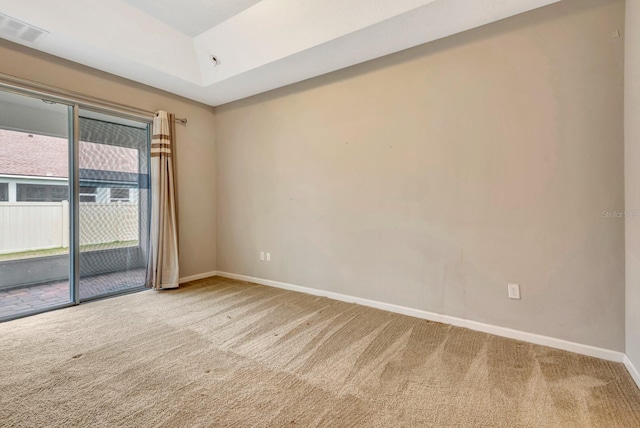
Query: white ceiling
[192,17]
[261,45]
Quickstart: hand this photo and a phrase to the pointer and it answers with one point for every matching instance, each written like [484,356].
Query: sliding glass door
[113,204]
[34,205]
[74,204]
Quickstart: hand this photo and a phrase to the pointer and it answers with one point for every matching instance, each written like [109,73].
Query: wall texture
[196,145]
[632,178]
[433,177]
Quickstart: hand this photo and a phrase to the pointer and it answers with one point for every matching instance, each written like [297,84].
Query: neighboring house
[34,168]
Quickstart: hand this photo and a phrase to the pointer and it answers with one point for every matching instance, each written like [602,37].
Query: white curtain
[162,269]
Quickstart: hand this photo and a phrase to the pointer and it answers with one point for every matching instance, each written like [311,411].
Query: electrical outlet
[514,291]
[268,257]
[262,255]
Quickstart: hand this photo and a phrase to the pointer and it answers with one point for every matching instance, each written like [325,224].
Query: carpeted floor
[226,353]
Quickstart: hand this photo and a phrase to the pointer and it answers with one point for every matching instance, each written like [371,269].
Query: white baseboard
[592,351]
[633,371]
[199,276]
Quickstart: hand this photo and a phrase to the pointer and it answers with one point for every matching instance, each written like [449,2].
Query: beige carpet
[231,354]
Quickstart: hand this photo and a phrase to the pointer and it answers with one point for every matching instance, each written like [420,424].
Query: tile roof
[43,156]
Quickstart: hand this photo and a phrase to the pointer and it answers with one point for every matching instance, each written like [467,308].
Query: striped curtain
[162,268]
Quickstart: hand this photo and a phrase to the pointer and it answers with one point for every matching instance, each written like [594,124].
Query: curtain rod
[71,97]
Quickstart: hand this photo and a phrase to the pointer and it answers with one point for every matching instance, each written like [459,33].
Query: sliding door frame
[74,204]
[144,152]
[74,102]
[30,88]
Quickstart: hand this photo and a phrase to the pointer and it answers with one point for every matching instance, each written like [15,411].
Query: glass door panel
[34,205]
[113,204]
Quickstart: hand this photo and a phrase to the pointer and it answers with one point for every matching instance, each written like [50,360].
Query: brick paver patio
[42,296]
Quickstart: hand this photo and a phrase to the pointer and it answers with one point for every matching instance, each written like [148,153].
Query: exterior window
[4,192]
[42,193]
[87,194]
[119,195]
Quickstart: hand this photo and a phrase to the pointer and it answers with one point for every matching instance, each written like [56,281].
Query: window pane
[113,161]
[4,192]
[87,190]
[119,194]
[34,237]
[42,193]
[88,194]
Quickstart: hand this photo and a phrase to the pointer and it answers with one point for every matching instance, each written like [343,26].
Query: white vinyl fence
[28,226]
[102,223]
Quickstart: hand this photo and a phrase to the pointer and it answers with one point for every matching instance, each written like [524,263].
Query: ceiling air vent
[11,28]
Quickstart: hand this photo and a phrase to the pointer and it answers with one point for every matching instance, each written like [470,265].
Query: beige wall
[433,177]
[632,178]
[196,145]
